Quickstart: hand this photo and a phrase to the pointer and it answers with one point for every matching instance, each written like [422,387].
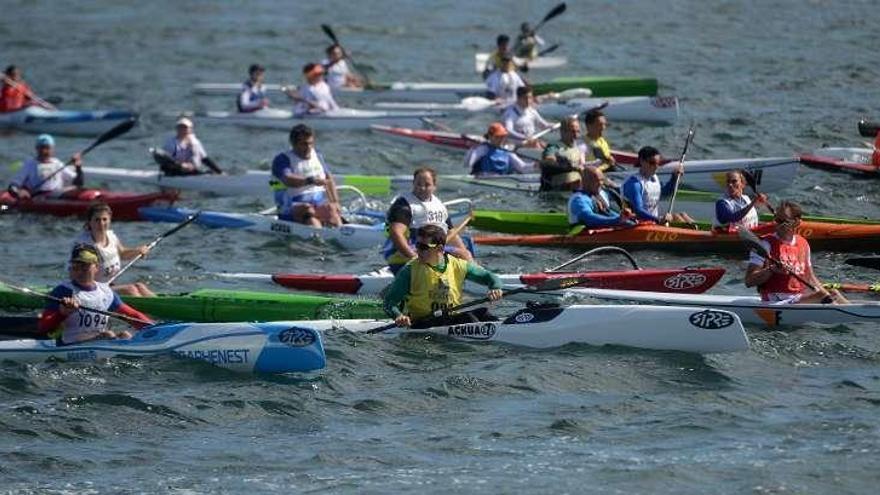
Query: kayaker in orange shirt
[16,94]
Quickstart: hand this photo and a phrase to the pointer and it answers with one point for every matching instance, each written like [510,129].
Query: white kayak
[543,62]
[659,110]
[749,308]
[339,119]
[693,330]
[86,123]
[278,347]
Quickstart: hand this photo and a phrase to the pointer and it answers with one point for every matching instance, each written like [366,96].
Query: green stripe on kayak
[217,305]
[369,184]
[601,86]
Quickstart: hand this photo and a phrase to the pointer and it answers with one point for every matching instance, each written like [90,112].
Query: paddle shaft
[153,244]
[50,297]
[15,84]
[332,35]
[678,178]
[753,185]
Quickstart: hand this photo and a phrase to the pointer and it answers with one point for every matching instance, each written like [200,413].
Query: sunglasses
[421,246]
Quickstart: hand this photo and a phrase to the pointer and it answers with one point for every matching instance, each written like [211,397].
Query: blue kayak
[84,123]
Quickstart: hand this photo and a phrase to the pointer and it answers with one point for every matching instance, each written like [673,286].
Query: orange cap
[496,129]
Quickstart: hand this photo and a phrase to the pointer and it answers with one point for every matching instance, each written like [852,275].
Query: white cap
[185,121]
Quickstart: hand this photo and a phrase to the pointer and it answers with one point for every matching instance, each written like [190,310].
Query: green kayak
[217,305]
[601,86]
[525,222]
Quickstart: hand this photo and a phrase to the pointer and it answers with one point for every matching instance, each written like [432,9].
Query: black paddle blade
[753,241]
[113,133]
[555,12]
[872,262]
[868,129]
[329,32]
[549,49]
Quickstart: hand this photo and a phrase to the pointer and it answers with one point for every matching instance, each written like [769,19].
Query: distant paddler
[643,190]
[503,83]
[44,174]
[596,147]
[522,119]
[502,49]
[252,96]
[492,158]
[735,210]
[339,75]
[16,94]
[434,281]
[315,96]
[303,187]
[562,162]
[527,42]
[183,152]
[592,206]
[111,252]
[413,210]
[69,301]
[783,272]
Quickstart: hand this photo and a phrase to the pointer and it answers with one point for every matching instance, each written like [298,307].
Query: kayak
[339,119]
[685,280]
[278,347]
[218,305]
[750,308]
[77,202]
[541,62]
[865,262]
[349,236]
[527,222]
[868,129]
[771,174]
[600,86]
[854,160]
[659,110]
[85,123]
[822,236]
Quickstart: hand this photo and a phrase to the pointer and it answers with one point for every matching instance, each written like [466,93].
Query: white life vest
[651,190]
[319,94]
[309,167]
[110,262]
[86,325]
[336,73]
[432,211]
[748,221]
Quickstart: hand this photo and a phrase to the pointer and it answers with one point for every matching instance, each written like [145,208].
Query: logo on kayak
[684,281]
[524,317]
[472,331]
[711,319]
[279,227]
[297,337]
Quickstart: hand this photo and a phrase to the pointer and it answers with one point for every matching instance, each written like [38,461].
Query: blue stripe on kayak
[69,116]
[208,219]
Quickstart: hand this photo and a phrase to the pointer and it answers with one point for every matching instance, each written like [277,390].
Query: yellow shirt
[431,289]
[599,149]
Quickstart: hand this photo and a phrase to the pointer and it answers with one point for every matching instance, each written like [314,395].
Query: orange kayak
[822,236]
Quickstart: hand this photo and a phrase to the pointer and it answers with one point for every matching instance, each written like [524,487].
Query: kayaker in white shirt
[522,119]
[186,151]
[45,174]
[315,96]
[503,82]
[734,209]
[253,94]
[339,75]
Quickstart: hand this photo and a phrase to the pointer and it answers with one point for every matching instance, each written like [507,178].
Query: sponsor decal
[217,356]
[297,337]
[82,356]
[711,319]
[472,331]
[684,281]
[524,317]
[279,227]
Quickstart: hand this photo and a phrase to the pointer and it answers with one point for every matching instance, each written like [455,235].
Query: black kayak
[18,327]
[865,262]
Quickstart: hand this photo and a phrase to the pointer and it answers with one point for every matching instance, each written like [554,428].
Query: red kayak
[683,280]
[77,202]
[853,160]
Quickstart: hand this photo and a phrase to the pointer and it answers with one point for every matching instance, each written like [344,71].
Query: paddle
[8,80]
[156,241]
[457,229]
[751,239]
[846,287]
[330,34]
[547,285]
[752,182]
[872,262]
[687,143]
[554,12]
[550,49]
[113,133]
[591,252]
[50,297]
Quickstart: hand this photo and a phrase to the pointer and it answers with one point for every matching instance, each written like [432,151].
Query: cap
[45,140]
[496,129]
[185,121]
[313,70]
[84,253]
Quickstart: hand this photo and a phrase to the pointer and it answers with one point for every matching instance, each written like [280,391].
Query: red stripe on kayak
[681,281]
[343,284]
[125,205]
[827,163]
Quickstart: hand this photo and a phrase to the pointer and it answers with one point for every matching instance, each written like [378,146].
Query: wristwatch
[310,181]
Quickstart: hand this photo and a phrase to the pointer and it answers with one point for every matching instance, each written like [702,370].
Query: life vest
[431,290]
[82,324]
[795,256]
[496,161]
[748,221]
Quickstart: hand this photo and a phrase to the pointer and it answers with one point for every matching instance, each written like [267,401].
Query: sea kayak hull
[341,119]
[125,205]
[542,62]
[278,347]
[853,160]
[81,123]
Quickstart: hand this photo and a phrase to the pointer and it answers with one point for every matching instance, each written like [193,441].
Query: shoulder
[281,160]
[62,290]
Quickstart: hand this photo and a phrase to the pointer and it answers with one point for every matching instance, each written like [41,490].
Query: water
[797,413]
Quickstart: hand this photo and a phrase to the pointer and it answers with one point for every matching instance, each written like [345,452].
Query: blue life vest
[496,161]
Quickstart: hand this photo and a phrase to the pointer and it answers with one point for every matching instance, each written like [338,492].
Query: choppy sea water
[796,414]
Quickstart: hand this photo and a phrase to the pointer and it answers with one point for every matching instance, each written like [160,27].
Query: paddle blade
[868,129]
[329,32]
[113,133]
[872,262]
[753,241]
[550,49]
[554,12]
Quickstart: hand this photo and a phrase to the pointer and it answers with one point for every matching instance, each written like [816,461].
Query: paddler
[503,82]
[15,93]
[502,48]
[435,281]
[734,209]
[491,158]
[84,291]
[303,186]
[562,162]
[184,153]
[778,285]
[315,96]
[591,205]
[596,147]
[643,190]
[527,42]
[98,234]
[339,75]
[412,211]
[522,119]
[252,96]
[45,174]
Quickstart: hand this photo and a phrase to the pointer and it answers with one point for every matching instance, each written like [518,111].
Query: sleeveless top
[86,325]
[748,221]
[109,254]
[796,256]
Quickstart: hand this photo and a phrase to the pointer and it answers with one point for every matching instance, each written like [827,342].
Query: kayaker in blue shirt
[591,205]
[491,158]
[643,190]
[252,96]
[734,209]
